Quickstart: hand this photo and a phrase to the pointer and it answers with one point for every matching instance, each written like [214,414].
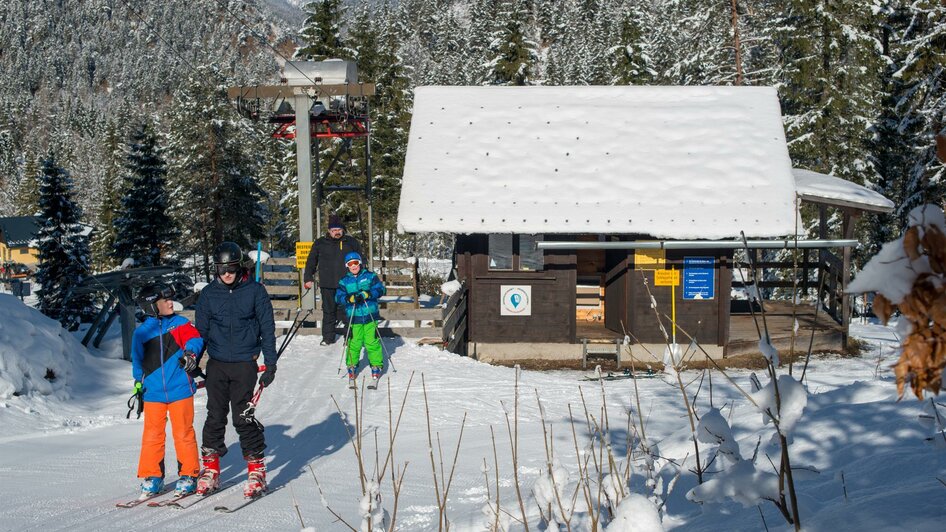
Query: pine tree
[321,32]
[629,59]
[214,160]
[144,230]
[513,49]
[391,115]
[109,201]
[923,106]
[831,95]
[281,217]
[27,193]
[891,150]
[63,249]
[478,56]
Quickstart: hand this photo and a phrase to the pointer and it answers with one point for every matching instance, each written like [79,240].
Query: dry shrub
[924,350]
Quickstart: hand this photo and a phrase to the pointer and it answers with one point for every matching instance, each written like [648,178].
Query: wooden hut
[569,203]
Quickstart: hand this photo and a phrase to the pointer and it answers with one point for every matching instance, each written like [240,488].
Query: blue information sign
[699,277]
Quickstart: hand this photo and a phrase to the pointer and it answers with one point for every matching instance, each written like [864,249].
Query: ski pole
[380,341]
[249,413]
[345,343]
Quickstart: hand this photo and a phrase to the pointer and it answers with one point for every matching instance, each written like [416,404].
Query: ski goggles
[227,268]
[353,261]
[160,292]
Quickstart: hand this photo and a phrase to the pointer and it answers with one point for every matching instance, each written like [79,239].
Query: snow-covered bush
[909,275]
[37,356]
[636,513]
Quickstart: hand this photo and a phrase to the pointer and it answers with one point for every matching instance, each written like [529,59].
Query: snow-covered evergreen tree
[63,248]
[321,32]
[629,54]
[214,157]
[27,191]
[513,49]
[144,230]
[103,240]
[923,107]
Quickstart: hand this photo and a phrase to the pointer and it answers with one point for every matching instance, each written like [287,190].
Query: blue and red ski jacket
[156,348]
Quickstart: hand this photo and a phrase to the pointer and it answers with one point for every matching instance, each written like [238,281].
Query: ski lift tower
[320,100]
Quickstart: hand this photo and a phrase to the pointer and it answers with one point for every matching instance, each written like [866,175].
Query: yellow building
[18,240]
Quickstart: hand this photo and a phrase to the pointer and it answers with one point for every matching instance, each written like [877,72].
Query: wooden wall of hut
[552,316]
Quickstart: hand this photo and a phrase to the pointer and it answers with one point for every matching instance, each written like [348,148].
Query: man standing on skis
[327,255]
[235,318]
[166,389]
[359,291]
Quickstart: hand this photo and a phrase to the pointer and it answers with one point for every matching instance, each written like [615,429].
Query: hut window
[530,257]
[515,252]
[500,251]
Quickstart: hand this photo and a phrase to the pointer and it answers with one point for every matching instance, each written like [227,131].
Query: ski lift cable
[263,39]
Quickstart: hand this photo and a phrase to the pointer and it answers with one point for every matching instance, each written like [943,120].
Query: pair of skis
[232,499]
[372,384]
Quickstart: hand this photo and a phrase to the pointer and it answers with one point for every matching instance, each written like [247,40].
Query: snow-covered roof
[671,162]
[830,190]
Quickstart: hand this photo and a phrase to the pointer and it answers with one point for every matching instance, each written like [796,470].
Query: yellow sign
[667,278]
[650,259]
[302,253]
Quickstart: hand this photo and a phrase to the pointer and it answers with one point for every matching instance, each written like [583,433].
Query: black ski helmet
[228,253]
[149,295]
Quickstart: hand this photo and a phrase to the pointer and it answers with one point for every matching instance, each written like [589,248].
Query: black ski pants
[230,386]
[329,314]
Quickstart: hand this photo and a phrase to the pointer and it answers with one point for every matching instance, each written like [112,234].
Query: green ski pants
[367,335]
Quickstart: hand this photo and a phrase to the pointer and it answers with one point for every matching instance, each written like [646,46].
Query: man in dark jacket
[328,255]
[235,318]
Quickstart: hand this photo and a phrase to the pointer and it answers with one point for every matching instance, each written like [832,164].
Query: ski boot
[186,485]
[351,377]
[209,479]
[256,476]
[375,377]
[151,486]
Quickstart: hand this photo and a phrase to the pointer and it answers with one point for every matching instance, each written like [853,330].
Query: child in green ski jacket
[359,291]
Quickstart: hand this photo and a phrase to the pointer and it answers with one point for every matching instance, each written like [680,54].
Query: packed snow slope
[68,456]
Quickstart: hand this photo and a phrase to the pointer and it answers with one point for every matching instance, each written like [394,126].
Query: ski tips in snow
[143,497]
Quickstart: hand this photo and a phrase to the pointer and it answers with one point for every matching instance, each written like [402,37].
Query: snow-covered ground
[68,455]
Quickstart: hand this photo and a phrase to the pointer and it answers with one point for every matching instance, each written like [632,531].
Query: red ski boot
[256,477]
[209,479]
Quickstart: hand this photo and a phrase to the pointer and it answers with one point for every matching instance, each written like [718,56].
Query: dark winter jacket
[156,347]
[365,281]
[328,255]
[237,322]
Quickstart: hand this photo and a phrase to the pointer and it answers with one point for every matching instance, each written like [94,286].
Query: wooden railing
[455,321]
[400,279]
[826,273]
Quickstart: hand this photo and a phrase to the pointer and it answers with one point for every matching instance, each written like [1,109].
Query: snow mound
[742,482]
[37,356]
[450,287]
[636,513]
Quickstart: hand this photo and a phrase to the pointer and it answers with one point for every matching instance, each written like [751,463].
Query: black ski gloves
[188,362]
[267,377]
